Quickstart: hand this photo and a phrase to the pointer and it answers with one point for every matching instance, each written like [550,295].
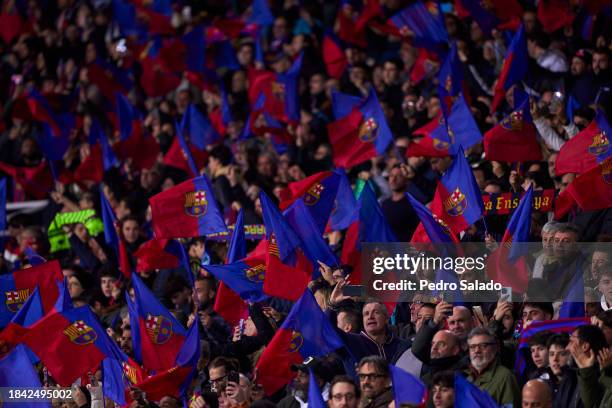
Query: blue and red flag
[432,229]
[157,336]
[260,13]
[318,193]
[469,395]
[507,265]
[435,141]
[11,22]
[17,372]
[407,389]
[361,135]
[591,190]
[227,302]
[555,14]
[423,23]
[182,155]
[280,90]
[61,123]
[112,238]
[127,117]
[19,285]
[345,210]
[462,127]
[198,128]
[587,149]
[12,334]
[2,204]
[514,139]
[245,277]
[306,332]
[34,181]
[195,49]
[457,200]
[186,210]
[573,300]
[343,104]
[371,226]
[514,68]
[333,56]
[162,253]
[495,14]
[554,326]
[450,77]
[315,398]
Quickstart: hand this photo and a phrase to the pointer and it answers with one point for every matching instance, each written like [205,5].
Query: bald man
[460,322]
[536,394]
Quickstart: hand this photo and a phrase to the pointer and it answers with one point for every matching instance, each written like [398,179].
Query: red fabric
[350,252]
[592,190]
[11,25]
[48,341]
[423,66]
[175,157]
[512,144]
[11,336]
[347,30]
[265,82]
[297,189]
[274,366]
[455,224]
[554,14]
[168,211]
[104,81]
[45,276]
[334,58]
[348,149]
[158,357]
[91,168]
[428,147]
[165,383]
[155,81]
[151,255]
[230,27]
[35,181]
[143,150]
[500,90]
[577,155]
[229,305]
[286,281]
[502,271]
[216,119]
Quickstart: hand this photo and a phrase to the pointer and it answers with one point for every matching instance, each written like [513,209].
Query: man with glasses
[486,372]
[374,382]
[343,393]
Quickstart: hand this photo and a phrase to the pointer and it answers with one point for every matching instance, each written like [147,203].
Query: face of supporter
[217,377]
[598,261]
[539,355]
[600,63]
[533,397]
[130,231]
[371,381]
[374,318]
[578,66]
[483,350]
[492,189]
[397,181]
[238,82]
[564,244]
[168,402]
[425,313]
[460,322]
[414,310]
[444,344]
[74,287]
[390,74]
[443,396]
[558,358]
[203,292]
[125,341]
[245,55]
[279,29]
[265,167]
[531,314]
[301,381]
[343,322]
[529,20]
[106,284]
[343,395]
[317,84]
[605,286]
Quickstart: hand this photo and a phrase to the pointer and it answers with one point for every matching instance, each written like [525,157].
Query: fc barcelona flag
[514,68]
[186,210]
[591,190]
[360,135]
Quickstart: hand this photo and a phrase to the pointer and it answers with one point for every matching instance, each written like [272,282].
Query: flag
[61,123]
[423,23]
[371,226]
[514,68]
[315,398]
[514,139]
[53,147]
[591,190]
[176,380]
[462,127]
[163,253]
[467,395]
[407,389]
[345,210]
[33,258]
[318,192]
[333,56]
[11,24]
[555,14]
[450,77]
[17,372]
[156,335]
[306,332]
[28,314]
[19,285]
[260,13]
[184,157]
[436,141]
[343,104]
[507,265]
[432,229]
[112,238]
[496,14]
[245,277]
[195,49]
[186,210]
[35,181]
[3,204]
[457,200]
[573,302]
[361,135]
[127,116]
[288,271]
[587,149]
[227,302]
[199,129]
[280,90]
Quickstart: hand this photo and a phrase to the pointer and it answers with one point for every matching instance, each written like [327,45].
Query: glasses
[370,376]
[480,346]
[339,397]
[217,380]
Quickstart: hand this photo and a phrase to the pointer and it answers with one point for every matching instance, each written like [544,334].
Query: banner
[252,232]
[506,203]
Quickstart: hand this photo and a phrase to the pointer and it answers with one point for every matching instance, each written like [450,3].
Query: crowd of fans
[431,340]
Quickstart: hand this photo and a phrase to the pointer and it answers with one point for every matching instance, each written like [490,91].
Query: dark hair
[379,363]
[546,307]
[352,315]
[230,364]
[606,318]
[444,378]
[174,285]
[592,335]
[222,153]
[539,339]
[559,339]
[344,379]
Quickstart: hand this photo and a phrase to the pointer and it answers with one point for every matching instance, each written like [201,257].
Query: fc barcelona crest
[278,90]
[158,328]
[600,144]
[514,121]
[296,341]
[196,203]
[129,372]
[368,131]
[313,194]
[80,333]
[16,298]
[456,203]
[256,273]
[440,144]
[442,224]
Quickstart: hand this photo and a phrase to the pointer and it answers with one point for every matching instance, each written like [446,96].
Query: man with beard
[374,382]
[343,393]
[298,396]
[397,209]
[486,372]
[214,329]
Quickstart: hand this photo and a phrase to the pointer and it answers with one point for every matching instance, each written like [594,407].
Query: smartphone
[478,313]
[234,377]
[240,328]
[505,294]
[353,290]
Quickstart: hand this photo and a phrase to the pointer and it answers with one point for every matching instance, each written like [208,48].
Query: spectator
[374,382]
[536,394]
[443,390]
[343,393]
